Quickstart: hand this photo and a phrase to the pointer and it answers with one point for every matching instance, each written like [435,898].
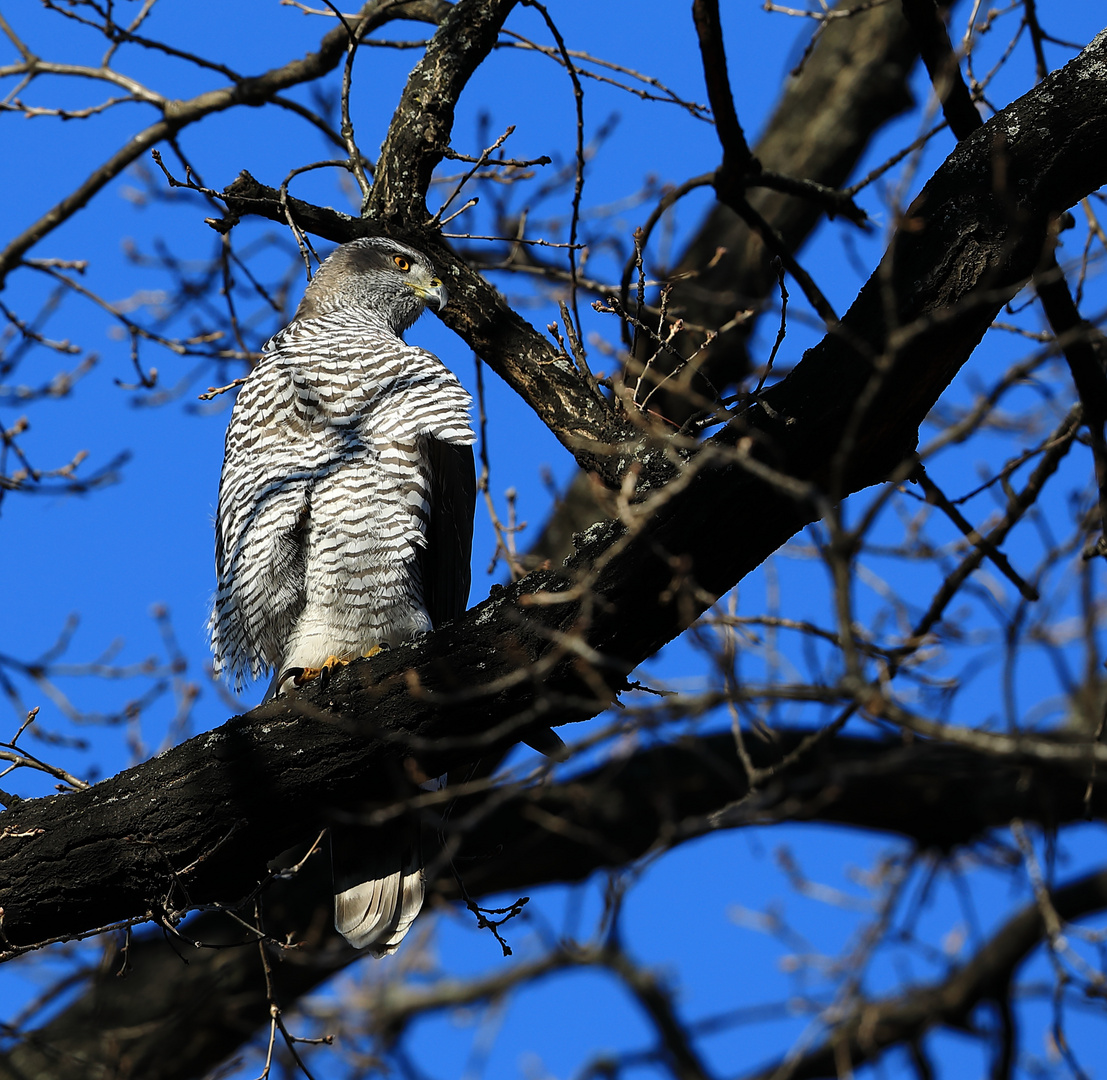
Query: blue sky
[111,556]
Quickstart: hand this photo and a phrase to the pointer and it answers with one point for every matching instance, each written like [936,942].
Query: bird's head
[375,274]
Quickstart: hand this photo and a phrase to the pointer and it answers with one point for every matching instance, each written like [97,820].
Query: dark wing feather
[444,562]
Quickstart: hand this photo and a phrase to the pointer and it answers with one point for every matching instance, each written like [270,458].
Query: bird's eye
[401,263]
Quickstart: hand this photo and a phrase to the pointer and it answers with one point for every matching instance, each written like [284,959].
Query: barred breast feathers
[336,370]
[328,395]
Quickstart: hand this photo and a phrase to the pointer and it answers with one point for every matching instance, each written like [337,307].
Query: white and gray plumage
[346,511]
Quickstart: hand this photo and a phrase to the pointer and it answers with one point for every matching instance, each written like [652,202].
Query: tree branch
[1079,341]
[177,115]
[941,64]
[938,796]
[874,1026]
[420,130]
[853,82]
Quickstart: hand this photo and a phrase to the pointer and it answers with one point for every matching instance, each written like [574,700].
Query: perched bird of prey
[345,516]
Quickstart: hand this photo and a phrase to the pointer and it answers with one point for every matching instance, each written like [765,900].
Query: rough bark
[179,1010]
[420,130]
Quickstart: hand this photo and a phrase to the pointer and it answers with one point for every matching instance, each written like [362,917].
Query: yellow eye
[402,263]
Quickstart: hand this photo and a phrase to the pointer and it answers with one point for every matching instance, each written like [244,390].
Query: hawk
[345,518]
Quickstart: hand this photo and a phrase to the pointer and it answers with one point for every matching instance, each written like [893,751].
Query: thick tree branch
[853,82]
[938,796]
[420,130]
[1078,340]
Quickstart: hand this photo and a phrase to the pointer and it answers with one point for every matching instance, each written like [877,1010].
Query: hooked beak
[433,294]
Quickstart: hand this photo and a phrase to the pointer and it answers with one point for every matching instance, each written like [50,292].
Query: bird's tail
[378,886]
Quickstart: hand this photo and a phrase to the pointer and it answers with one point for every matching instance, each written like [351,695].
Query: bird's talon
[308,674]
[293,673]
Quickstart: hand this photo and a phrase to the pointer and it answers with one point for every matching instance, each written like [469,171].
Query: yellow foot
[307,674]
[302,676]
